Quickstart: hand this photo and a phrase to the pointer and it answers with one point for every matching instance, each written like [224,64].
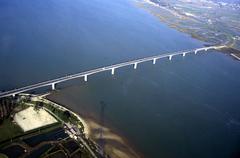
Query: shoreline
[235,56]
[230,43]
[115,144]
[85,126]
[111,134]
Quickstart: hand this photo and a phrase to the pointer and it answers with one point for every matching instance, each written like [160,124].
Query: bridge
[111,68]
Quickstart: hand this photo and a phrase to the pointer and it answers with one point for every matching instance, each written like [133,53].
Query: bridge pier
[135,65]
[154,60]
[85,78]
[113,71]
[53,86]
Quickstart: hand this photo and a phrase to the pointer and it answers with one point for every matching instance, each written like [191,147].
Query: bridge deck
[97,70]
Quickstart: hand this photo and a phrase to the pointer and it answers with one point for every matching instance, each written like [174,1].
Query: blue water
[42,40]
[188,107]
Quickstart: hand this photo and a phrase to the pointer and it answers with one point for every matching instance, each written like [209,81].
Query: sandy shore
[115,145]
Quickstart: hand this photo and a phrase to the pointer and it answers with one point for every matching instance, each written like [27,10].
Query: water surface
[188,107]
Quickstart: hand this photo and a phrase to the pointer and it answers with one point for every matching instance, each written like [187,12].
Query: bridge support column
[113,71]
[85,78]
[183,54]
[195,51]
[135,65]
[206,49]
[154,61]
[13,95]
[170,57]
[53,86]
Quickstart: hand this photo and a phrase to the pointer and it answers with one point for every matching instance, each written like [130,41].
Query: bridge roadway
[112,68]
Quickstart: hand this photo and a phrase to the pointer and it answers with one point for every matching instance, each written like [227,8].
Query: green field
[9,130]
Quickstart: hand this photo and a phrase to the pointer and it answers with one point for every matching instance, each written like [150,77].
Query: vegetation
[3,156]
[9,130]
[66,116]
[6,107]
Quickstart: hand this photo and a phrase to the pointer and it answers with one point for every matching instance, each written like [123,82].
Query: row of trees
[6,107]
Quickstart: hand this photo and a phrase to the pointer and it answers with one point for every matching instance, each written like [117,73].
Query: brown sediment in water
[115,144]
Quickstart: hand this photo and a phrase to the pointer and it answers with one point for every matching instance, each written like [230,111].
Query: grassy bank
[9,130]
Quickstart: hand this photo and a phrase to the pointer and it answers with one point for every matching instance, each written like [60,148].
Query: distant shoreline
[232,50]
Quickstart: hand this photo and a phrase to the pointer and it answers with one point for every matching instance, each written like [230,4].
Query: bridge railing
[97,70]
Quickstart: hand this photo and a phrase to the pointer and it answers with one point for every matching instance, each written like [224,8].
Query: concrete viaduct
[111,68]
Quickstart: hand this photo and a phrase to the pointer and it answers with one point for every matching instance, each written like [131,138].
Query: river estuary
[184,108]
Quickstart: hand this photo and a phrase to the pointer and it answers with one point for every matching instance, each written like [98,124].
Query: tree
[67,114]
